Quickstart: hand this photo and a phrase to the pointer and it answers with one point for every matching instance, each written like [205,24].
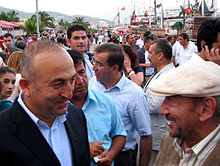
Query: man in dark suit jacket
[36,130]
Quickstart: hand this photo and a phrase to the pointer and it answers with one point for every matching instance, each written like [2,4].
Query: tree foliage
[80,20]
[63,24]
[31,26]
[12,15]
[178,26]
[45,19]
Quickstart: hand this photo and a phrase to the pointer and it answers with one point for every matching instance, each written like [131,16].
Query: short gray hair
[37,47]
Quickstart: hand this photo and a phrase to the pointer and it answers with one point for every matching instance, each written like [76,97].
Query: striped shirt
[131,102]
[196,155]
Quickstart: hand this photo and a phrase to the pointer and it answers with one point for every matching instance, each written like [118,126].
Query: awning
[120,29]
[8,25]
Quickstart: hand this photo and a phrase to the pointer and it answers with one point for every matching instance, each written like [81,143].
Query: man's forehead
[9,37]
[101,55]
[79,33]
[152,46]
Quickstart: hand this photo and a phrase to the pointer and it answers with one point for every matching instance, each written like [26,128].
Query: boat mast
[203,7]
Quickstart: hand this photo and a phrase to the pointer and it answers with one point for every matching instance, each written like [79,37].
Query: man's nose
[67,91]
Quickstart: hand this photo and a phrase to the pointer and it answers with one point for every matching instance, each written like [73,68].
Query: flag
[137,23]
[133,15]
[145,24]
[123,8]
[187,10]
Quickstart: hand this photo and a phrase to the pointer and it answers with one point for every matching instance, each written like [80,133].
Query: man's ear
[202,44]
[208,110]
[25,86]
[115,67]
[160,55]
[68,42]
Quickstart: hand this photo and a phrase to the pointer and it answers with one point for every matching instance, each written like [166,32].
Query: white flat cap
[196,78]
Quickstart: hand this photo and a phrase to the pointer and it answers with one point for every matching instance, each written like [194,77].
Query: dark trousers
[126,158]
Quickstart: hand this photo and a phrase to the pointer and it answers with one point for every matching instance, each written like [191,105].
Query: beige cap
[196,78]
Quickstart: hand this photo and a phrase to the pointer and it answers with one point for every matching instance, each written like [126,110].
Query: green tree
[31,26]
[182,13]
[12,15]
[80,20]
[178,26]
[4,16]
[63,24]
[45,19]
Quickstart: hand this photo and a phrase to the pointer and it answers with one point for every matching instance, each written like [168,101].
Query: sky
[95,8]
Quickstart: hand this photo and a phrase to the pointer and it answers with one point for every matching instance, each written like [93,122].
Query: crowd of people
[84,99]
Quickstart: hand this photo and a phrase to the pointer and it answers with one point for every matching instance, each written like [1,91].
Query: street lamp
[37,18]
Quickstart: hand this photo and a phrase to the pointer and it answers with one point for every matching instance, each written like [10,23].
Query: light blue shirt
[131,103]
[56,135]
[103,119]
[90,73]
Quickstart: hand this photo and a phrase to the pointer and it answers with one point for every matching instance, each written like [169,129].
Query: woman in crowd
[132,69]
[3,58]
[14,64]
[7,84]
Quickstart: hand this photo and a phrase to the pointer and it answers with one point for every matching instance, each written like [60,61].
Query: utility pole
[38,32]
[155,10]
[118,18]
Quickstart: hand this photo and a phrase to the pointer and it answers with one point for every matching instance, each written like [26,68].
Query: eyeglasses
[7,41]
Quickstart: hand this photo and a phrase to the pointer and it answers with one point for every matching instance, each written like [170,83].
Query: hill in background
[58,16]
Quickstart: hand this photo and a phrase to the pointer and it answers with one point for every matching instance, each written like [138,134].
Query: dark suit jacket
[22,144]
[141,56]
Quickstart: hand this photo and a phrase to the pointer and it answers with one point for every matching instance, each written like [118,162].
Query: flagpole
[162,23]
[118,17]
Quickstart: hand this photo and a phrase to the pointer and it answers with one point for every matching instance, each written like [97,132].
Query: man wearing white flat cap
[192,108]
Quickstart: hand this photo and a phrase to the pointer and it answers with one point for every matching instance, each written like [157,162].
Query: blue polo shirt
[103,119]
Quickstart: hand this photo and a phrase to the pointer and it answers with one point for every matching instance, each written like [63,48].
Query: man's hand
[213,55]
[106,159]
[96,148]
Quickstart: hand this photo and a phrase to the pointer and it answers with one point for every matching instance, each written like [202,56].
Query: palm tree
[45,19]
[182,13]
[4,16]
[178,25]
[80,20]
[63,25]
[12,15]
[31,26]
